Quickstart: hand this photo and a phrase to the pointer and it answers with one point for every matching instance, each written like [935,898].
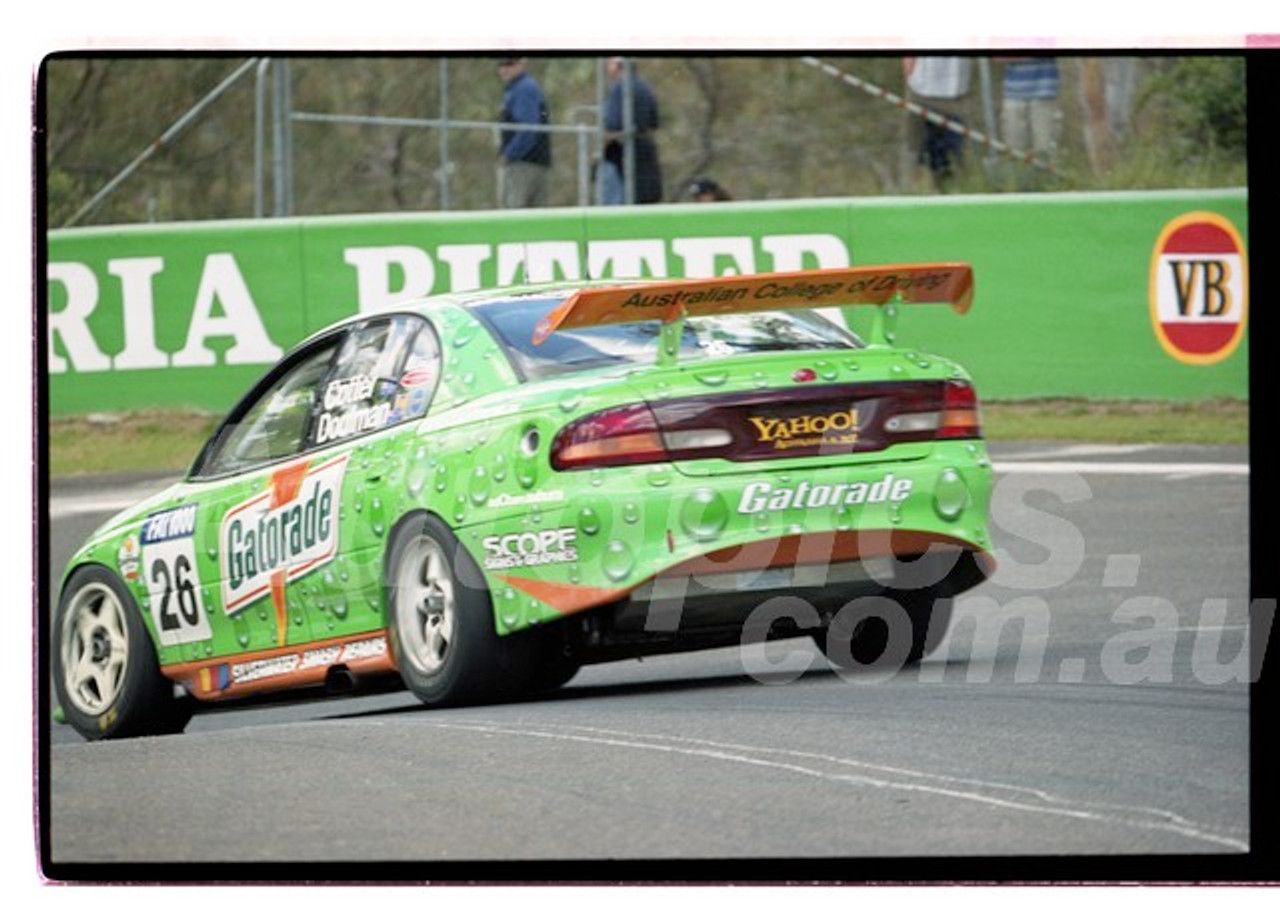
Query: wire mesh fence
[379,134]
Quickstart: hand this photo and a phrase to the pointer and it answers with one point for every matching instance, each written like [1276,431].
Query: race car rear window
[569,351]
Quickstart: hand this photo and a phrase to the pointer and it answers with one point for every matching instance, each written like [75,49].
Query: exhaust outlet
[339,680]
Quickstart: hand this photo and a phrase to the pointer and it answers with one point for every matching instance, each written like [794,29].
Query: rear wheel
[440,618]
[885,631]
[553,669]
[105,670]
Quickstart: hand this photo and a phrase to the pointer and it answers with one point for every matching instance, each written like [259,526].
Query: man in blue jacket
[643,122]
[524,156]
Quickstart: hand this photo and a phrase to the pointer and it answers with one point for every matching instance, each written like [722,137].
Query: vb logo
[1206,279]
[1199,288]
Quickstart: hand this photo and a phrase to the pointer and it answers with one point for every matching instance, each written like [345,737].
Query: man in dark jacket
[648,170]
[524,155]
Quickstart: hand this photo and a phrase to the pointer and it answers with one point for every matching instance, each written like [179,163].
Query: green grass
[127,441]
[1213,421]
[169,440]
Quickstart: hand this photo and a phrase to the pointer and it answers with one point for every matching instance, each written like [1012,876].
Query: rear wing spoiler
[672,300]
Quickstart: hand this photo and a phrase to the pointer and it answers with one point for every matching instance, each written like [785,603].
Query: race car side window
[383,375]
[272,423]
[420,374]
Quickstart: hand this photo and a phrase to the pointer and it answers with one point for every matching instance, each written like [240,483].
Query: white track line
[987,793]
[1124,468]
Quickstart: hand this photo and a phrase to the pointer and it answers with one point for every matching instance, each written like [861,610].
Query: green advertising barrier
[190,315]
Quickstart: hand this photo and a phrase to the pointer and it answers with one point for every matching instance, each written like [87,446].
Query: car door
[277,512]
[260,513]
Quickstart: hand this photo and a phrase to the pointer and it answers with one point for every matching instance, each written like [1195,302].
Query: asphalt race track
[1091,699]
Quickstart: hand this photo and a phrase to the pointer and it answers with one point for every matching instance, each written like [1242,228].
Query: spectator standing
[643,122]
[1030,120]
[940,84]
[524,155]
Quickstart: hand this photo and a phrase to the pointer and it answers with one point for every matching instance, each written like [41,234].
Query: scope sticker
[1199,289]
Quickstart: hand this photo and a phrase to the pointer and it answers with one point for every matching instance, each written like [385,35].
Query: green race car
[479,493]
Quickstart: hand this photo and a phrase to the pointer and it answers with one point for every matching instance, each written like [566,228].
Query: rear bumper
[675,613]
[637,534]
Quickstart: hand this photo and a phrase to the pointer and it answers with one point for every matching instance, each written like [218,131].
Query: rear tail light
[960,417]
[697,440]
[618,436]
[630,435]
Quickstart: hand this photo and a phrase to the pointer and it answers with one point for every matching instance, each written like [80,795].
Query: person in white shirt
[940,84]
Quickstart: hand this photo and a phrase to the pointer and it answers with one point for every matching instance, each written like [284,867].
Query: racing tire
[105,671]
[440,619]
[551,671]
[886,631]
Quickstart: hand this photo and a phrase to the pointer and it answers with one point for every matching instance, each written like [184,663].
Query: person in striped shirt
[1030,119]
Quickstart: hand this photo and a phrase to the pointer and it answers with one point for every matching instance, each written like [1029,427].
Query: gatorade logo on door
[1199,291]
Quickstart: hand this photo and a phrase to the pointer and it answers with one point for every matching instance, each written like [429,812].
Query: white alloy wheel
[426,612]
[95,648]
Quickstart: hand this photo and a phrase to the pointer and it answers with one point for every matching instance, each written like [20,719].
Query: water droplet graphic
[479,487]
[704,514]
[950,495]
[589,522]
[526,472]
[416,479]
[509,606]
[618,560]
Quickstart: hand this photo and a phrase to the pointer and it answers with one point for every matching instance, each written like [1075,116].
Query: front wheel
[105,671]
[440,618]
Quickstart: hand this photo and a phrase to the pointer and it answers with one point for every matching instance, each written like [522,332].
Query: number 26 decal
[185,612]
[168,560]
